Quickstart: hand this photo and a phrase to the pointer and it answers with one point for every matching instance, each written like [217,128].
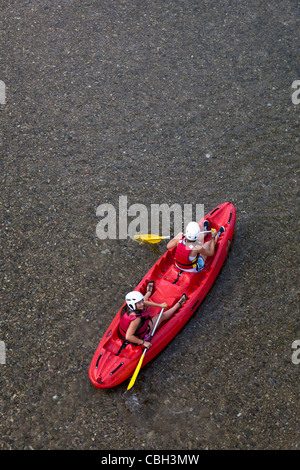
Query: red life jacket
[142,328]
[182,256]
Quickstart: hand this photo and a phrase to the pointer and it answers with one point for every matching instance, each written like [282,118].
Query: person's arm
[148,303]
[210,251]
[130,334]
[174,241]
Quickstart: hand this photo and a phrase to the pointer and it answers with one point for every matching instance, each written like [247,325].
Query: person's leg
[167,314]
[206,245]
[149,291]
[205,225]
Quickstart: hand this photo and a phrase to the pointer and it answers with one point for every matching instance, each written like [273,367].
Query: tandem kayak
[113,362]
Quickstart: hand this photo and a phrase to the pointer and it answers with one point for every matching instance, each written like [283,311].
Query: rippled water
[171,102]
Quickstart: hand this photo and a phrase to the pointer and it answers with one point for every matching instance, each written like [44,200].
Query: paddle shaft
[165,237]
[205,231]
[154,329]
[156,324]
[149,238]
[133,379]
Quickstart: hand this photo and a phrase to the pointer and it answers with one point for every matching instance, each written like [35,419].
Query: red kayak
[113,363]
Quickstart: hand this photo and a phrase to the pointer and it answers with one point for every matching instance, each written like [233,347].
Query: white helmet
[192,231]
[132,298]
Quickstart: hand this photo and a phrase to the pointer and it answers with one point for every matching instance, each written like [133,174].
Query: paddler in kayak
[190,255]
[136,324]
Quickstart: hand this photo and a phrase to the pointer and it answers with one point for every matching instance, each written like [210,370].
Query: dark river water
[187,102]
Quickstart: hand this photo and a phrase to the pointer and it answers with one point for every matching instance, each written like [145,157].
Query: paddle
[149,238]
[138,367]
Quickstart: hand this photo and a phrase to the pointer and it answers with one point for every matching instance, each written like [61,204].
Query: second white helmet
[132,298]
[192,231]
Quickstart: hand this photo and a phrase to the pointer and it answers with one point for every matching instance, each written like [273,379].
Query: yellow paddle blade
[149,238]
[138,367]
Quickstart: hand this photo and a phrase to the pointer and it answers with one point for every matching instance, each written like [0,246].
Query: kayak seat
[116,346]
[113,344]
[172,275]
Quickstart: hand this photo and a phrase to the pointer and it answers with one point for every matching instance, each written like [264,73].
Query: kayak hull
[113,363]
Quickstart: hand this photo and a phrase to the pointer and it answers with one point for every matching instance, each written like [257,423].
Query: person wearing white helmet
[136,324]
[190,255]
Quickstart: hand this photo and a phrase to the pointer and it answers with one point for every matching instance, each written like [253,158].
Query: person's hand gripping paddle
[138,367]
